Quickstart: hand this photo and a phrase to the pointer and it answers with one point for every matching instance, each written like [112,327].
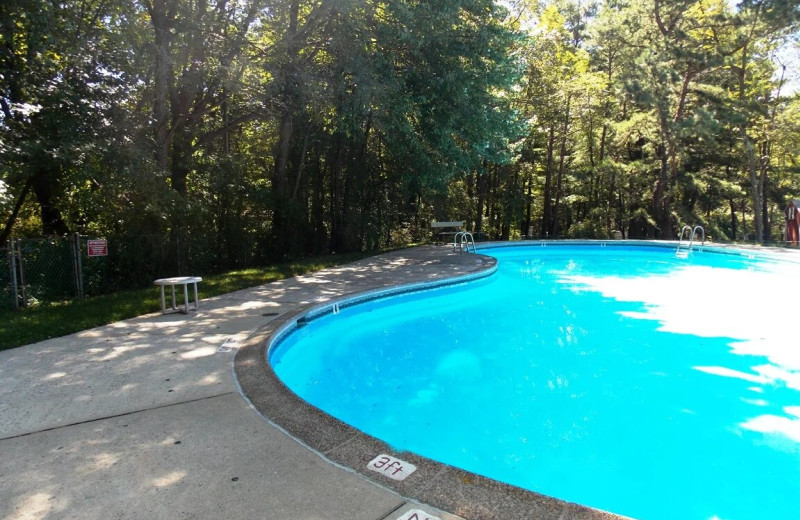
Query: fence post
[77,268]
[17,272]
[12,266]
[21,280]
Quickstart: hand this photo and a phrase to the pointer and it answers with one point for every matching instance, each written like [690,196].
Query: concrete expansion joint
[394,512]
[114,416]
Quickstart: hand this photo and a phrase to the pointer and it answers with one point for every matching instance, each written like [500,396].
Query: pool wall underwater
[439,485]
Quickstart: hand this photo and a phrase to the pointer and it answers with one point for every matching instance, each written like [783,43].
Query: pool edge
[442,486]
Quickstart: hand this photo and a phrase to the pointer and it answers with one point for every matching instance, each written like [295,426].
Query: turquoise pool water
[622,378]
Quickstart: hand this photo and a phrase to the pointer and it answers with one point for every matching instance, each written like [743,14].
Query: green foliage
[593,227]
[651,133]
[62,83]
[275,130]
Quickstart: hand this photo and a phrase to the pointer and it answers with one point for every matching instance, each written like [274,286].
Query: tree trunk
[507,209]
[529,206]
[283,207]
[289,94]
[561,159]
[12,219]
[547,218]
[181,156]
[45,187]
[755,185]
[318,206]
[471,191]
[662,200]
[763,179]
[491,206]
[280,177]
[159,17]
[751,161]
[336,203]
[480,185]
[606,112]
[300,166]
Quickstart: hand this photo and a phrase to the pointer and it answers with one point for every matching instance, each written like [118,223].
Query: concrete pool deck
[145,418]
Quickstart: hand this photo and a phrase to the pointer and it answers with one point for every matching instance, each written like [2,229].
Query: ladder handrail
[692,233]
[703,231]
[683,232]
[466,240]
[457,240]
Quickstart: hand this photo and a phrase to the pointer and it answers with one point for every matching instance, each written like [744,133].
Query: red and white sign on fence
[97,247]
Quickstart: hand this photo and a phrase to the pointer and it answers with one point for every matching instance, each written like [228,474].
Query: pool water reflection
[620,378]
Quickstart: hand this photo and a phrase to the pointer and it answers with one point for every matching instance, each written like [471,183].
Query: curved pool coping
[442,486]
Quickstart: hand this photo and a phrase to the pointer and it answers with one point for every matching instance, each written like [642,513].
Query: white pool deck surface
[145,418]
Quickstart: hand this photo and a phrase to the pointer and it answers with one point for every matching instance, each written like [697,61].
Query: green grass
[27,326]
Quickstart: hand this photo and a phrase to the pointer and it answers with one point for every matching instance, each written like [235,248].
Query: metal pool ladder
[684,248]
[462,241]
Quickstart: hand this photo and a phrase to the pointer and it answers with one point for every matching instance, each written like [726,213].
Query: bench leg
[176,305]
[186,298]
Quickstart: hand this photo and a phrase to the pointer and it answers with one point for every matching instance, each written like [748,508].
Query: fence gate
[44,269]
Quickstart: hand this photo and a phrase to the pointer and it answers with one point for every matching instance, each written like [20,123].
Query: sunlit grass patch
[27,326]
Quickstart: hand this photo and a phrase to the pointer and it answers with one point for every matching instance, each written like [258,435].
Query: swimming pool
[605,376]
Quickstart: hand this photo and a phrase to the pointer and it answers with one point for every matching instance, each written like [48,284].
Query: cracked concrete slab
[211,458]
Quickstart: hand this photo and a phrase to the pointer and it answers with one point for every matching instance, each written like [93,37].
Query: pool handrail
[688,248]
[466,240]
[462,240]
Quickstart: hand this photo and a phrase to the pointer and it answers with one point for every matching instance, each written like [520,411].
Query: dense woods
[284,128]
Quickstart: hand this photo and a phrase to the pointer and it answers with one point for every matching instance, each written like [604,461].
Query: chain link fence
[47,270]
[42,270]
[7,301]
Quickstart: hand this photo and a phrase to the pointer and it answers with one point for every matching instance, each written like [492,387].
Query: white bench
[456,225]
[179,280]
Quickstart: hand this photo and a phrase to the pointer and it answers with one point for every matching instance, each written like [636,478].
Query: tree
[195,46]
[410,97]
[763,25]
[59,66]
